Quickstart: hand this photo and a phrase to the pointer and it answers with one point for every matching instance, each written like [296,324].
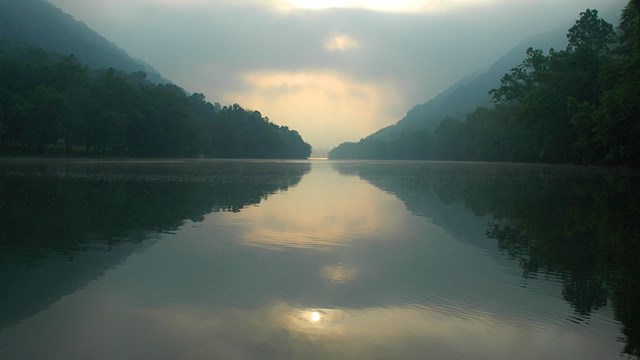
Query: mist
[334,74]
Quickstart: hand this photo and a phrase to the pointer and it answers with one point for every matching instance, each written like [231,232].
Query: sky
[335,70]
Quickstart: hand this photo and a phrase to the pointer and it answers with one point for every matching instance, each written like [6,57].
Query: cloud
[397,6]
[382,56]
[400,6]
[326,107]
[341,43]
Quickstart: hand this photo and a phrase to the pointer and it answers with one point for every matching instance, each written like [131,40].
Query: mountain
[50,99]
[39,24]
[469,93]
[473,91]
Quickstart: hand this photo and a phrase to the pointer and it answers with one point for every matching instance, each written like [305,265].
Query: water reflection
[282,330]
[309,321]
[340,273]
[64,223]
[326,211]
[573,225]
[328,266]
[417,332]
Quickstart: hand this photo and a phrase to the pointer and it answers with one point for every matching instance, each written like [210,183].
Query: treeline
[578,105]
[45,100]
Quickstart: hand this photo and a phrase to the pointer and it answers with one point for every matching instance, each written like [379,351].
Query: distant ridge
[39,24]
[467,94]
[473,91]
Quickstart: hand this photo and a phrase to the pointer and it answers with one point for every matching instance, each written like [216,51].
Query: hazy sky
[335,70]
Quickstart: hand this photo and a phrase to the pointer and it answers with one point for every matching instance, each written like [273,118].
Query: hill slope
[469,93]
[573,105]
[466,95]
[97,102]
[37,23]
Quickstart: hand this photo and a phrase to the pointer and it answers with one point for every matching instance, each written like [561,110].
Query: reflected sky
[116,326]
[324,211]
[332,267]
[350,67]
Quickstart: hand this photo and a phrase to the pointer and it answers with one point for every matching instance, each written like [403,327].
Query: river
[215,259]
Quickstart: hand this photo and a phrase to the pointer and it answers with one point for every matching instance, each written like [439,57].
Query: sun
[315,316]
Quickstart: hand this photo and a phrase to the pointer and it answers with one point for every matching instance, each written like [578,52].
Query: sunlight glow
[341,43]
[316,322]
[286,223]
[317,102]
[347,332]
[396,6]
[315,316]
[401,6]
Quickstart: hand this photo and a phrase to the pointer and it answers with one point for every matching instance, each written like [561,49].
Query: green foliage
[590,34]
[517,84]
[46,101]
[619,131]
[578,105]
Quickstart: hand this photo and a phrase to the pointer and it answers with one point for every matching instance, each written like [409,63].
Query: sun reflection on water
[313,322]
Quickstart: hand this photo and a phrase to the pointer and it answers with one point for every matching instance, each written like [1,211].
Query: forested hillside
[45,100]
[468,94]
[577,105]
[65,89]
[39,24]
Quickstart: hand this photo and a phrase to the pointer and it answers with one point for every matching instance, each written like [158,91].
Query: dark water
[317,260]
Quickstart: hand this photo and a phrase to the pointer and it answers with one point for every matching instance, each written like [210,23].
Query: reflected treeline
[68,211]
[108,201]
[579,225]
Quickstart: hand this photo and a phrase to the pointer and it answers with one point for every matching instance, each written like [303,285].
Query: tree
[448,139]
[618,131]
[2,129]
[48,108]
[590,34]
[551,95]
[516,85]
[44,100]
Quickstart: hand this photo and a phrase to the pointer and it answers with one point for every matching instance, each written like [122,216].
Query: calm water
[317,260]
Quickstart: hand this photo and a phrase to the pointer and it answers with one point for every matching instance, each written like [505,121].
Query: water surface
[317,260]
